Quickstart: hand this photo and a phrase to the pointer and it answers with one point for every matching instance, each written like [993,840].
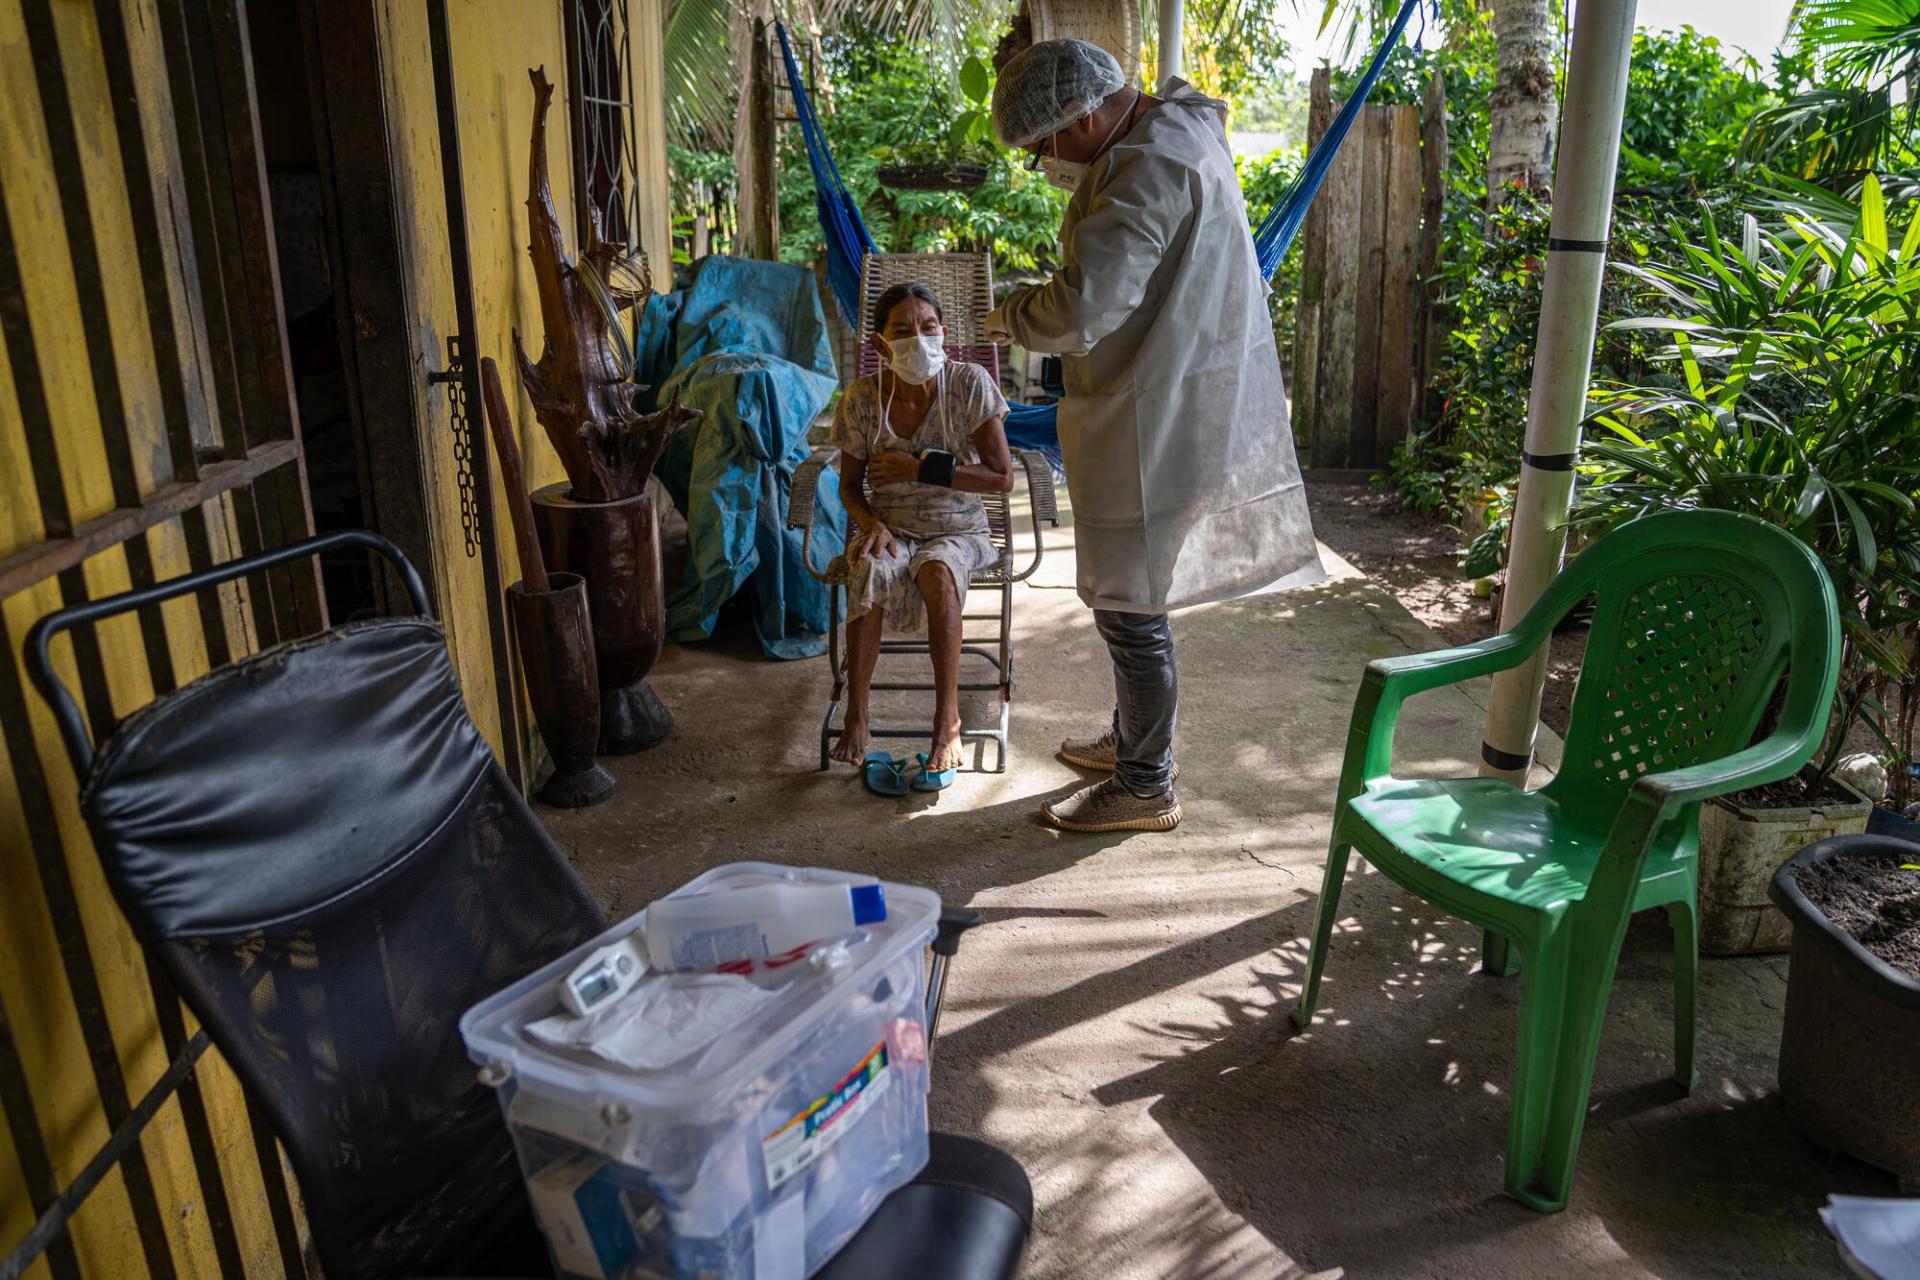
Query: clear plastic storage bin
[762,1154]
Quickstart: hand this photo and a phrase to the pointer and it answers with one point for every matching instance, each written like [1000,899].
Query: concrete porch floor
[1120,1022]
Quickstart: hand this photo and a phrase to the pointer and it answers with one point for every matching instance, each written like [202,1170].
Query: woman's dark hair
[898,294]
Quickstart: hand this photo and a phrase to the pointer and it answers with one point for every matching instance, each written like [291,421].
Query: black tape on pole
[1504,760]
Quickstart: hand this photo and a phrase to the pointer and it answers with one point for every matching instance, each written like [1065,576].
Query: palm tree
[1851,124]
[1524,106]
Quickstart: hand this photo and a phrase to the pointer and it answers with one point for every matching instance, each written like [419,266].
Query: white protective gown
[1179,459]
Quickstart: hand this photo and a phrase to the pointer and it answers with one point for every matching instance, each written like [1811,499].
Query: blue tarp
[746,344]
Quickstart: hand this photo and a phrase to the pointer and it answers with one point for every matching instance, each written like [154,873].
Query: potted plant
[1851,1036]
[963,159]
[1899,815]
[600,522]
[1797,373]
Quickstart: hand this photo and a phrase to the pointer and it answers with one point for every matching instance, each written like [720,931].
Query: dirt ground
[1415,557]
[1120,1022]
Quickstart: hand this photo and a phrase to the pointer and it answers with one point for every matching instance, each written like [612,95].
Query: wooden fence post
[1330,429]
[1399,284]
[1369,228]
[1428,331]
[1313,249]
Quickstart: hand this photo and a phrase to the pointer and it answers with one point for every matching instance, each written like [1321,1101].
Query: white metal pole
[1569,313]
[1172,14]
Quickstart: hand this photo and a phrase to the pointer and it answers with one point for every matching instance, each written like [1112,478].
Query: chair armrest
[1039,484]
[801,499]
[1391,681]
[1418,672]
[1041,500]
[802,505]
[1780,756]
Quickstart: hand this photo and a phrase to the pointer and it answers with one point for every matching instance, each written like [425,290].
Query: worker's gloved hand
[996,328]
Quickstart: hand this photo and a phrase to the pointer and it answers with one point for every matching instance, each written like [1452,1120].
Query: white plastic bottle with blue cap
[755,922]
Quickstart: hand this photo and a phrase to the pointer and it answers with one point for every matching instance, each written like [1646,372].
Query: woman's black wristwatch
[936,467]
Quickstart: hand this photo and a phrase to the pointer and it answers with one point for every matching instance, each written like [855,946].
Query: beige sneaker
[1091,753]
[1109,806]
[1097,753]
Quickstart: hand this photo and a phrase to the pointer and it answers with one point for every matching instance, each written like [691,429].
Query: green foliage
[1263,180]
[892,105]
[1796,399]
[974,125]
[1278,105]
[1688,109]
[1858,60]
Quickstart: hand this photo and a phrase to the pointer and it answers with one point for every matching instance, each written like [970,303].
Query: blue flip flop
[885,775]
[932,779]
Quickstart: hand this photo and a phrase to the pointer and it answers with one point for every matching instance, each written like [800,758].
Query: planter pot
[556,655]
[1740,849]
[1852,1030]
[1473,515]
[1885,822]
[615,546]
[931,177]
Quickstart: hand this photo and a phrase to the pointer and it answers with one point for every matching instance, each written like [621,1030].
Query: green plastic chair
[1697,614]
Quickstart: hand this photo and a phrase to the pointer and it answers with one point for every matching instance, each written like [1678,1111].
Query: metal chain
[454,378]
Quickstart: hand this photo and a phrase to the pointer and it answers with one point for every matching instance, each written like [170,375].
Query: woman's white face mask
[918,359]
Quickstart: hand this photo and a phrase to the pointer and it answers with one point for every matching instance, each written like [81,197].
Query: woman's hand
[893,466]
[875,539]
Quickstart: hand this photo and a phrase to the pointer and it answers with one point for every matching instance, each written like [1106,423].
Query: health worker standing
[1180,463]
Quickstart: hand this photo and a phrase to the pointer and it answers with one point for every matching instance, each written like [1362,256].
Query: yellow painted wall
[40,1005]
[492,47]
[493,43]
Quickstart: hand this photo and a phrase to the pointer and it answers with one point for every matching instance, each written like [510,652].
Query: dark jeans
[1146,697]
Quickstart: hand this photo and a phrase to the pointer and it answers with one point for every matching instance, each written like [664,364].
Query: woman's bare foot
[851,746]
[946,753]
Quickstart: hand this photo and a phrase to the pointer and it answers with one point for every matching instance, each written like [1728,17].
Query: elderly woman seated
[926,437]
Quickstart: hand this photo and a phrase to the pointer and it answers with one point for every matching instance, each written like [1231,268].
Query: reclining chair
[964,284]
[319,849]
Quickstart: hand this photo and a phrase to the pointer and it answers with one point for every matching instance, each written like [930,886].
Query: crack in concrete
[1271,866]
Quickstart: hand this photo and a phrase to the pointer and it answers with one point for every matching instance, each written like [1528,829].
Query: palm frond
[1862,42]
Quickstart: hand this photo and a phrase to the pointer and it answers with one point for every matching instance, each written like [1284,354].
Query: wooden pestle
[533,566]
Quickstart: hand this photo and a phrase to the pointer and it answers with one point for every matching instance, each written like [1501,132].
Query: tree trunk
[1524,105]
[740,35]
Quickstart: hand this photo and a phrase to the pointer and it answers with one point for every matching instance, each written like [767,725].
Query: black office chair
[322,853]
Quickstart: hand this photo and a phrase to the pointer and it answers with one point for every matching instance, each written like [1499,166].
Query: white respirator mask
[1069,174]
[917,360]
[1064,174]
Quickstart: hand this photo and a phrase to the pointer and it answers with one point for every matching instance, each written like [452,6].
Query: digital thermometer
[604,976]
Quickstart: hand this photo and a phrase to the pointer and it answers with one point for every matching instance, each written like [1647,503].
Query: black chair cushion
[271,787]
[966,1217]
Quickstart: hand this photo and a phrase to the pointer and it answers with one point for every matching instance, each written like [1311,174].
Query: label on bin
[811,1134]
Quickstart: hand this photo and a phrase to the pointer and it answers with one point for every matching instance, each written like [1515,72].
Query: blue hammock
[848,243]
[1035,426]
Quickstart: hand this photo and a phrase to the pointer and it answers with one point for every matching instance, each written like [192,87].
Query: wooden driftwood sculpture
[582,388]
